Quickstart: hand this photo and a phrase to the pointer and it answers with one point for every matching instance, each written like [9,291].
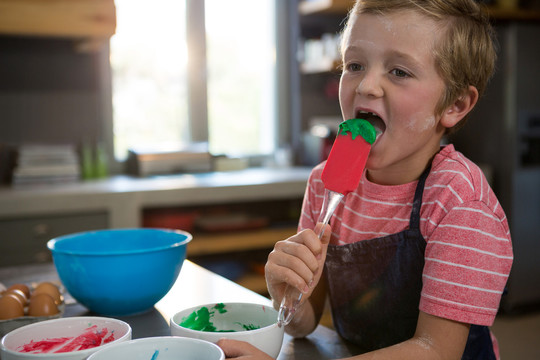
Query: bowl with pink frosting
[70,338]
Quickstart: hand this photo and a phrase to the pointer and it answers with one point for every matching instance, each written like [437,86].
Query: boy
[418,256]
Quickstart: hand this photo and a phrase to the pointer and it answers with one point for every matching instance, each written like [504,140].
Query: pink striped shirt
[468,252]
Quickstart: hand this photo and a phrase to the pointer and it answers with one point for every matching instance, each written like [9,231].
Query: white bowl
[161,348]
[111,331]
[268,336]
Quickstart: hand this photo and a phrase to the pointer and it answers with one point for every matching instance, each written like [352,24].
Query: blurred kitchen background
[206,115]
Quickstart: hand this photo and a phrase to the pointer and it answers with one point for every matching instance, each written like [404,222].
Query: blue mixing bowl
[119,272]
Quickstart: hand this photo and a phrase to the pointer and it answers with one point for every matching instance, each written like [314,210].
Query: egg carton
[7,326]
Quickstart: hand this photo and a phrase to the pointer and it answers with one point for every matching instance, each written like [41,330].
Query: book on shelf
[46,163]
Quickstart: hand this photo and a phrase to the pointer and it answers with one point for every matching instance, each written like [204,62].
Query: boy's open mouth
[374,120]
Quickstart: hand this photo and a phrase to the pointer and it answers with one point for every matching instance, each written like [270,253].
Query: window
[160,96]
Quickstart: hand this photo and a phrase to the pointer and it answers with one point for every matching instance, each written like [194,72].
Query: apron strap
[414,222]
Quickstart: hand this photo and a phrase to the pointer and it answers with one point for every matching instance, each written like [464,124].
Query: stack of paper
[46,163]
[165,160]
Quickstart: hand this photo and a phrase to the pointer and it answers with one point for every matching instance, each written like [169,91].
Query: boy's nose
[370,85]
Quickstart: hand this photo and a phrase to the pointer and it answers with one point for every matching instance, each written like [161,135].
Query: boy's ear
[461,107]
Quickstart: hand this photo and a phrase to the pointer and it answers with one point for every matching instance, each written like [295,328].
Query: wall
[51,93]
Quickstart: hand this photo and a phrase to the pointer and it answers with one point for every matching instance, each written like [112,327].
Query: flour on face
[420,122]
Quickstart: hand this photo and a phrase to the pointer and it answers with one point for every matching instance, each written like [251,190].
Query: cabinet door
[24,240]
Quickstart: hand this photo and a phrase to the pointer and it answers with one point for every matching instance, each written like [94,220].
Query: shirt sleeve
[467,262]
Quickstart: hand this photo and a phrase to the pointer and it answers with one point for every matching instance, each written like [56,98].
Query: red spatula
[341,175]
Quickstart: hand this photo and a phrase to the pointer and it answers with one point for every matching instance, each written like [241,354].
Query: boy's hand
[235,349]
[297,261]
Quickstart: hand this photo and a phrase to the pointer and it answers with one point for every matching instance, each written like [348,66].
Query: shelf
[308,7]
[514,14]
[209,243]
[92,21]
[254,282]
[324,66]
[221,244]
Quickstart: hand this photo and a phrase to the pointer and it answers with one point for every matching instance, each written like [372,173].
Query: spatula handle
[292,298]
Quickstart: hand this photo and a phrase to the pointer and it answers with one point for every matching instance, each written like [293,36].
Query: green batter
[200,320]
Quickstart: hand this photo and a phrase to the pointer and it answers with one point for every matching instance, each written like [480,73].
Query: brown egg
[42,305]
[22,287]
[10,307]
[49,289]
[19,294]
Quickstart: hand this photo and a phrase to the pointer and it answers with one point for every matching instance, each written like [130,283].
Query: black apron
[374,288]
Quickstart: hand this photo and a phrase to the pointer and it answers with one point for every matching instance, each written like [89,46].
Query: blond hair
[466,54]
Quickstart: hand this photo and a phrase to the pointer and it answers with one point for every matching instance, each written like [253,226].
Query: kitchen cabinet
[232,241]
[233,238]
[90,22]
[29,214]
[23,240]
[238,255]
[319,24]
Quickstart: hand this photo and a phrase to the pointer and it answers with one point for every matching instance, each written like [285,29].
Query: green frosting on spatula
[358,127]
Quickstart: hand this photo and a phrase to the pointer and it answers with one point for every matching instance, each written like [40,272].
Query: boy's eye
[399,73]
[354,67]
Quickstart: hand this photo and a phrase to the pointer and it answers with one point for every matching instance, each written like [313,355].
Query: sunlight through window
[241,76]
[150,86]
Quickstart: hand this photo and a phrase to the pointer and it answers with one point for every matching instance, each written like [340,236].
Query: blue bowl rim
[51,243]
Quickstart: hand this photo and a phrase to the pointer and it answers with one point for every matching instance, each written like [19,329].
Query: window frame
[288,119]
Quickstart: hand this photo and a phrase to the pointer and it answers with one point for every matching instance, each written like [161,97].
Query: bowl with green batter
[250,322]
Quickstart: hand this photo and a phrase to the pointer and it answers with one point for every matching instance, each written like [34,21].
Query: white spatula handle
[292,298]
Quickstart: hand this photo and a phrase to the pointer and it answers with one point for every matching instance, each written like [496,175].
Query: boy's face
[389,69]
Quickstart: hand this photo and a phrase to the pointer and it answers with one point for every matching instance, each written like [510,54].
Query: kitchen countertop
[194,286]
[124,197]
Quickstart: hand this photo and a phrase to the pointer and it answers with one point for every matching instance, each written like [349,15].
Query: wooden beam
[58,18]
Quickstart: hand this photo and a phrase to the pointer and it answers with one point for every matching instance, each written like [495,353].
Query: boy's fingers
[325,239]
[230,348]
[240,349]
